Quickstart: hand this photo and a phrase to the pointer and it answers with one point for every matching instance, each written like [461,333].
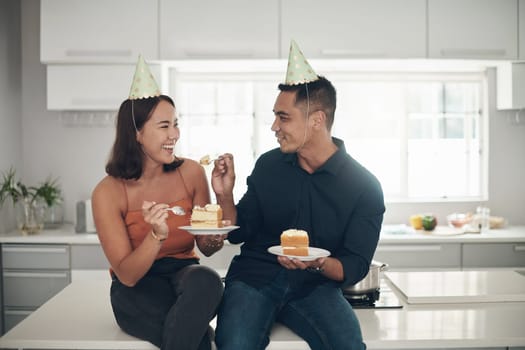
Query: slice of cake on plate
[295,242]
[209,216]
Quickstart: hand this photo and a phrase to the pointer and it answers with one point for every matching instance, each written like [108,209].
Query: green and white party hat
[144,84]
[299,70]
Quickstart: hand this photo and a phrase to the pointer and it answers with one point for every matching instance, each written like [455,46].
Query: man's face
[289,125]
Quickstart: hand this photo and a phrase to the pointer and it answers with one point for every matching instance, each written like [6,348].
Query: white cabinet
[491,255]
[473,29]
[420,256]
[203,29]
[90,87]
[31,274]
[521,35]
[355,28]
[510,88]
[88,262]
[98,30]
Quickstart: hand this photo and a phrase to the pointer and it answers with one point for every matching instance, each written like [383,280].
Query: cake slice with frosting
[295,242]
[208,216]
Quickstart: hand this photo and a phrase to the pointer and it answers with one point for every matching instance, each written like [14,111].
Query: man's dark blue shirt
[340,205]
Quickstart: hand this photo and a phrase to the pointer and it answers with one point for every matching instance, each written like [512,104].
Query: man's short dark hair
[322,96]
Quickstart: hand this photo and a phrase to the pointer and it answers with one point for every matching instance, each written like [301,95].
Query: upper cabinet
[355,28]
[100,87]
[473,29]
[117,31]
[210,29]
[521,34]
[74,31]
[510,82]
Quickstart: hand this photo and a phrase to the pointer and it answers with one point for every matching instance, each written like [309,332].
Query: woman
[159,291]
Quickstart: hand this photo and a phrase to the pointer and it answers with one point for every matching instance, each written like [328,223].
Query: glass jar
[29,216]
[54,216]
[483,219]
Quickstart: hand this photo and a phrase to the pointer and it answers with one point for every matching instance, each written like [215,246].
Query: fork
[177,210]
[207,160]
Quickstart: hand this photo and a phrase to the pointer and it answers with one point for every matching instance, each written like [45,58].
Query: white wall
[10,118]
[10,94]
[78,155]
[50,148]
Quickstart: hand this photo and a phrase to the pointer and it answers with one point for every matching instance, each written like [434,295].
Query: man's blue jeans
[324,318]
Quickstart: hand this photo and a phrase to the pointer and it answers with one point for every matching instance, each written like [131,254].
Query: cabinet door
[355,28]
[521,34]
[98,30]
[483,255]
[30,289]
[35,256]
[14,317]
[419,256]
[88,257]
[219,29]
[90,87]
[473,29]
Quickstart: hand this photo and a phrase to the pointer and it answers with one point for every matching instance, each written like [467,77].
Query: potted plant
[33,206]
[49,191]
[7,191]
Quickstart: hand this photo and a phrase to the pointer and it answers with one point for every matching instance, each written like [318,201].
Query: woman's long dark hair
[126,159]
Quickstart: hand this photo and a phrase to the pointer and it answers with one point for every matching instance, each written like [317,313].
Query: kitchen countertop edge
[66,235]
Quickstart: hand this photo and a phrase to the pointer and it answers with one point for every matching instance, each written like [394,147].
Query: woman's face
[160,134]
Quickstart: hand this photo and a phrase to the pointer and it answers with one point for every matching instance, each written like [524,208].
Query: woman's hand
[209,244]
[156,215]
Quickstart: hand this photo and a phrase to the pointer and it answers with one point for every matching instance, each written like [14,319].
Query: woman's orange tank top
[179,244]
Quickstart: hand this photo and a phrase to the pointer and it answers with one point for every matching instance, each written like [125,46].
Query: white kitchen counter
[63,235]
[438,287]
[443,234]
[66,235]
[80,317]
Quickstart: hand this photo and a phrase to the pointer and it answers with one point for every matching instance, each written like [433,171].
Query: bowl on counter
[458,220]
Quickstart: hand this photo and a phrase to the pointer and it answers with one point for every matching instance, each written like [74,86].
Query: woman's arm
[109,203]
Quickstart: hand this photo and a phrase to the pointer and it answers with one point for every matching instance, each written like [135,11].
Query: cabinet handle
[83,101]
[33,250]
[409,248]
[219,54]
[98,53]
[473,52]
[352,53]
[17,312]
[519,248]
[36,274]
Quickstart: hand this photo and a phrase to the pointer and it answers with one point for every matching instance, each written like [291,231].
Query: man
[308,183]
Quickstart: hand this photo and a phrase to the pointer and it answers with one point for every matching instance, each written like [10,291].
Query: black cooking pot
[370,282]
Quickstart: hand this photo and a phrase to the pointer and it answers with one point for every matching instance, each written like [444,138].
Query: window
[419,133]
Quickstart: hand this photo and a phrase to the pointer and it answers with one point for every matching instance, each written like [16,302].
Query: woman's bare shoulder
[192,167]
[108,187]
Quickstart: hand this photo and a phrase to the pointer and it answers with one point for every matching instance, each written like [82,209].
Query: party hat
[144,84]
[299,70]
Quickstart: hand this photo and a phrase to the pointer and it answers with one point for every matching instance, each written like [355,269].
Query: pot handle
[382,266]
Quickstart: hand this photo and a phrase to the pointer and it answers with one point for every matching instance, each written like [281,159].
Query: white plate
[208,230]
[314,253]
